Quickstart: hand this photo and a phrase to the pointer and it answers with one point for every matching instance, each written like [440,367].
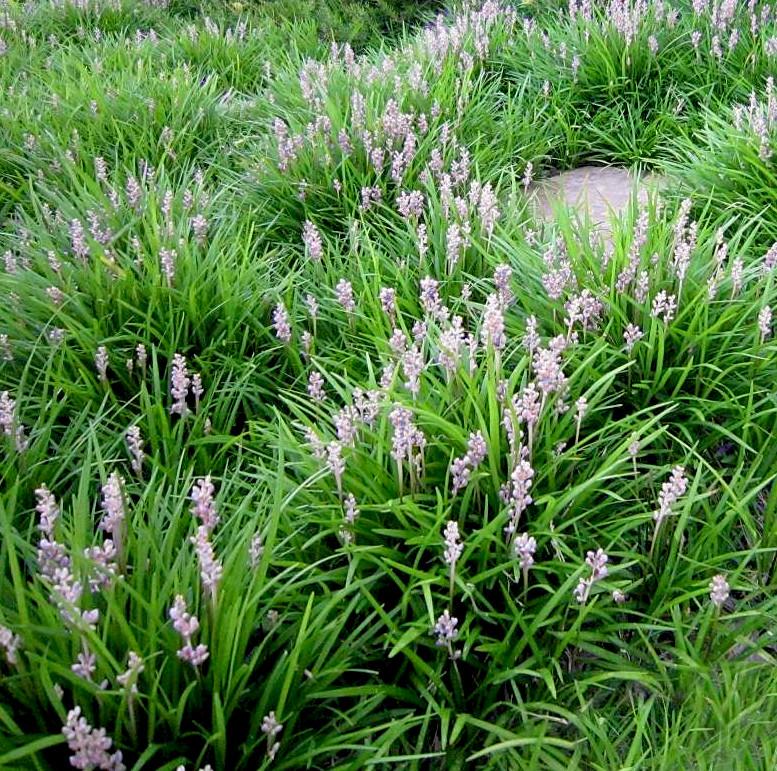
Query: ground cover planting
[321,449]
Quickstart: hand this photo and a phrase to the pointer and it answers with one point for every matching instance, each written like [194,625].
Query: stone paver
[600,191]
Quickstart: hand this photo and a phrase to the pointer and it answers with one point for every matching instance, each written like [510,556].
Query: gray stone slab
[597,192]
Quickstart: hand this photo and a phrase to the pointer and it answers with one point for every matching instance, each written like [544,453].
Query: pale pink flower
[9,424]
[316,386]
[187,626]
[633,450]
[632,334]
[453,545]
[179,386]
[451,342]
[113,509]
[423,241]
[531,339]
[643,287]
[460,474]
[446,632]
[492,331]
[56,295]
[66,593]
[103,567]
[135,446]
[558,273]
[770,258]
[765,322]
[412,368]
[346,425]
[142,356]
[548,370]
[336,463]
[211,569]
[517,492]
[128,680]
[527,406]
[100,169]
[461,468]
[528,175]
[280,320]
[430,299]
[484,201]
[203,503]
[5,349]
[584,308]
[398,342]
[307,344]
[197,390]
[255,551]
[367,405]
[671,491]
[408,441]
[311,237]
[199,225]
[90,747]
[351,510]
[684,241]
[502,276]
[411,204]
[271,728]
[10,643]
[476,449]
[455,243]
[719,590]
[167,258]
[737,271]
[664,304]
[388,301]
[312,303]
[639,239]
[597,561]
[525,546]
[101,363]
[85,665]
[52,556]
[47,509]
[344,293]
[78,240]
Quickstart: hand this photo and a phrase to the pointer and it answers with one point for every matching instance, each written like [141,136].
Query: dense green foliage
[184,182]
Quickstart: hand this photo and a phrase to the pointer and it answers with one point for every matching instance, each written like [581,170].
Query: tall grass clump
[730,159]
[319,450]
